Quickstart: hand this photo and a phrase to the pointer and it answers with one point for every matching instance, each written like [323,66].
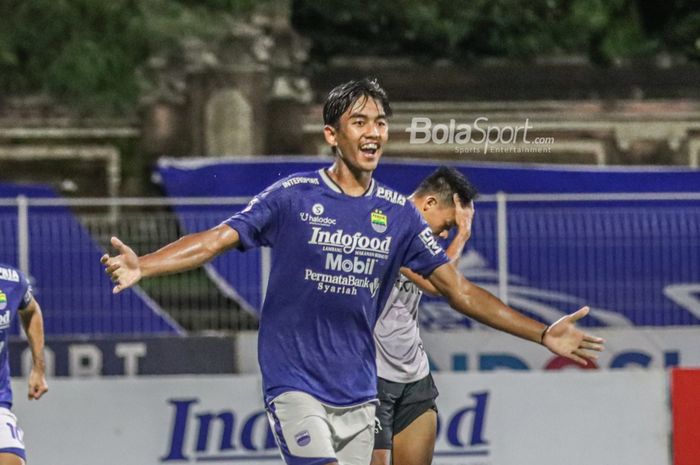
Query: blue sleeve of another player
[257,224]
[424,253]
[25,290]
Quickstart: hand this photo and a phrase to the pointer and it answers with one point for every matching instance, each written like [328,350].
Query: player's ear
[430,202]
[330,134]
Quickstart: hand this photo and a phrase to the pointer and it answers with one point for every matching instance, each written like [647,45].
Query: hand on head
[464,215]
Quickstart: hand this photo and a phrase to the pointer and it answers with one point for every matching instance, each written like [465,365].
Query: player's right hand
[464,215]
[123,269]
[37,384]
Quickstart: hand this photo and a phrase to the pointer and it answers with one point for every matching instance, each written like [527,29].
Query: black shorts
[399,405]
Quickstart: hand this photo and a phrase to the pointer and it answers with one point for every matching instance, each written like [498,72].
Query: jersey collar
[336,188]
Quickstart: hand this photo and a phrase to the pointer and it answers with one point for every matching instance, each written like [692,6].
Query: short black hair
[341,97]
[444,182]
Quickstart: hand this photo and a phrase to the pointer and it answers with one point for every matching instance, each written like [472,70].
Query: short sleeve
[257,224]
[423,254]
[26,292]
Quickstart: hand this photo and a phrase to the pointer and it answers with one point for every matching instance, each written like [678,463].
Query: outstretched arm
[561,337]
[188,252]
[33,324]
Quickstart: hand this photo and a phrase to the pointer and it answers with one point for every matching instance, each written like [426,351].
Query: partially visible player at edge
[338,239]
[407,413]
[16,299]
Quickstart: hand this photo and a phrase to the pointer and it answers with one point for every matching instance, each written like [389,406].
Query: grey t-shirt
[400,354]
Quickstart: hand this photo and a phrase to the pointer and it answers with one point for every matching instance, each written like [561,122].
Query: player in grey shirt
[407,415]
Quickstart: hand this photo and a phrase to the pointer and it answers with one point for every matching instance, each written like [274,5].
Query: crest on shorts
[3,300]
[379,221]
[303,438]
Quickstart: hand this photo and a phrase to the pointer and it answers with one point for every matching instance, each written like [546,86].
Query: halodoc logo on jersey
[315,217]
[3,300]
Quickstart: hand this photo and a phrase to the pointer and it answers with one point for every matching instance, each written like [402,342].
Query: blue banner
[68,281]
[636,263]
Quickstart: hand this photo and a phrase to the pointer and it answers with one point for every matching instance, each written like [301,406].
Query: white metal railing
[150,223]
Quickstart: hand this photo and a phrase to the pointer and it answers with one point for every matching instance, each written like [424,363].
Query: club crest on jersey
[379,221]
[3,300]
[303,438]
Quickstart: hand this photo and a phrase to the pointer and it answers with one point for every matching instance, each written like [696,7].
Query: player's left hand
[37,384]
[563,338]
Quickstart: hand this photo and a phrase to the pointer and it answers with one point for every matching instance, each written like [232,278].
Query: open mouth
[369,149]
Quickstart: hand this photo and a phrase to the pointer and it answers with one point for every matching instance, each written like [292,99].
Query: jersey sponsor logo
[339,284]
[317,220]
[299,180]
[8,274]
[349,243]
[5,319]
[317,209]
[407,287]
[335,262]
[379,221]
[3,300]
[428,239]
[391,196]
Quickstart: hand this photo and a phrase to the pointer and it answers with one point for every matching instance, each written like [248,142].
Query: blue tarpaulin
[67,278]
[634,262]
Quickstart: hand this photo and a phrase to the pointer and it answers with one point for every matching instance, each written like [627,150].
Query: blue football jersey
[15,294]
[334,261]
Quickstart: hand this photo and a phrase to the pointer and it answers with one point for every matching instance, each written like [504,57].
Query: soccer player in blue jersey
[16,299]
[338,239]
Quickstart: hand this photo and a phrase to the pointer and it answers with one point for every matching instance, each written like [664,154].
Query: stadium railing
[635,257]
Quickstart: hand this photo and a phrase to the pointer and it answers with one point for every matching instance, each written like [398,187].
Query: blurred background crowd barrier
[545,247]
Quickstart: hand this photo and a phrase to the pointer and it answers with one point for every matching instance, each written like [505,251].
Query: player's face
[361,135]
[440,217]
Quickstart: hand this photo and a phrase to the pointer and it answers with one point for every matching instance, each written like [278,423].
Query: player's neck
[353,182]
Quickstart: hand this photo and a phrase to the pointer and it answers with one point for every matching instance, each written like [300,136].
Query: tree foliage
[87,52]
[462,30]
